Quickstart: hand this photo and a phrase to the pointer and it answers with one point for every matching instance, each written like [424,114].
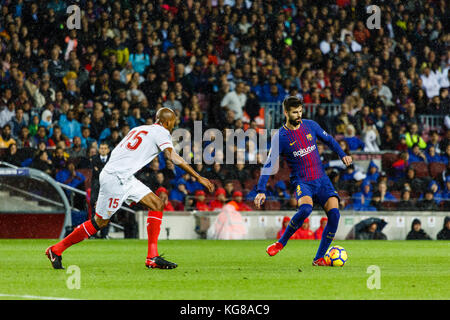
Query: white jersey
[141,145]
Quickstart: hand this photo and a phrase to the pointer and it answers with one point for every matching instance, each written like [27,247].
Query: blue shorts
[320,190]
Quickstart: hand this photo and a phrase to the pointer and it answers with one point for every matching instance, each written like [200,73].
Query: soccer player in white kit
[118,184]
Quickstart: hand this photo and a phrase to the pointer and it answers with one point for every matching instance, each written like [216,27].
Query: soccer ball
[336,256]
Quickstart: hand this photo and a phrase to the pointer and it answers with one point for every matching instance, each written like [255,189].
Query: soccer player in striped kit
[296,142]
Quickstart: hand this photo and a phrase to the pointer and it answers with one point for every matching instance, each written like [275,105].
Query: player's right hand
[259,200]
[207,184]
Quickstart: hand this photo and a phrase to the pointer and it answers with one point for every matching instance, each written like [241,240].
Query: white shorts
[114,191]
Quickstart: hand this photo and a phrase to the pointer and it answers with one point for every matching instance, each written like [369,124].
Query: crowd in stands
[65,92]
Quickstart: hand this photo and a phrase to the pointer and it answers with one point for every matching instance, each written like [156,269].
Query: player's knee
[99,223]
[333,216]
[303,212]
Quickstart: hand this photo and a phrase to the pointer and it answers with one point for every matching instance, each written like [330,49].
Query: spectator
[416,155]
[70,127]
[76,151]
[172,103]
[6,138]
[432,156]
[385,195]
[163,194]
[428,203]
[405,203]
[180,192]
[416,232]
[237,198]
[11,156]
[371,137]
[444,234]
[7,114]
[304,232]
[200,203]
[319,230]
[284,225]
[235,101]
[354,143]
[219,201]
[139,60]
[17,123]
[412,137]
[430,82]
[42,162]
[59,159]
[70,176]
[372,173]
[370,232]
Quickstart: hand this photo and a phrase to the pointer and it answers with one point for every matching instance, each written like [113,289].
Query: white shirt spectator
[235,102]
[442,77]
[430,84]
[325,46]
[6,115]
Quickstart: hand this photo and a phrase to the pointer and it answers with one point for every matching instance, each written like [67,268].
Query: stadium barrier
[266,224]
[33,205]
[41,188]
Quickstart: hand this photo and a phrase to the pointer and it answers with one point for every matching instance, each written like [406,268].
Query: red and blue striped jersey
[299,149]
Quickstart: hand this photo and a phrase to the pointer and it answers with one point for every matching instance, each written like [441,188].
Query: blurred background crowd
[69,96]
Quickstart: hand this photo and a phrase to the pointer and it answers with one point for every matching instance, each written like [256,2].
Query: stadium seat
[436,169]
[396,194]
[272,205]
[177,205]
[237,185]
[217,183]
[421,169]
[250,183]
[87,173]
[343,194]
[389,205]
[250,203]
[387,160]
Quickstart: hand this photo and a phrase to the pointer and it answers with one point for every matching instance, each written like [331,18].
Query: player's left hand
[347,160]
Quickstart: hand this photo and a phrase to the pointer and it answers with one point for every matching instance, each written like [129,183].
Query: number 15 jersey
[140,146]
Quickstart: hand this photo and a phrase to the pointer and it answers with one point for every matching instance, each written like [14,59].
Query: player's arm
[268,169]
[171,154]
[332,144]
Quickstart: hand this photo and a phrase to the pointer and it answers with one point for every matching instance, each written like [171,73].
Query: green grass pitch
[226,270]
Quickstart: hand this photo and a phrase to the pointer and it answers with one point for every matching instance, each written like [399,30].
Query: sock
[83,231]
[153,228]
[328,232]
[296,222]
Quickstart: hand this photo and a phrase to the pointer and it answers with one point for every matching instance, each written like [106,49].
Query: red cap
[220,191]
[200,193]
[160,190]
[323,219]
[237,194]
[306,220]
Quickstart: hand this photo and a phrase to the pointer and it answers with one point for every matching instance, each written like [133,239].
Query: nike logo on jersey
[292,143]
[305,151]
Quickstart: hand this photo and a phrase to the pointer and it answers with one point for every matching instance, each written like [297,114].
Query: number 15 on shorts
[113,203]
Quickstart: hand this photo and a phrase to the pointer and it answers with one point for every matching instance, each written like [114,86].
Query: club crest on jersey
[309,137]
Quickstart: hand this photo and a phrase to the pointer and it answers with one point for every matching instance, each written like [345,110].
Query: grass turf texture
[227,270]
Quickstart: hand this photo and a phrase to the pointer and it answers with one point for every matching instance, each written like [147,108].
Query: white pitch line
[34,297]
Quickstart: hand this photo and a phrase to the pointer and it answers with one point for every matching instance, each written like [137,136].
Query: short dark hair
[292,102]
